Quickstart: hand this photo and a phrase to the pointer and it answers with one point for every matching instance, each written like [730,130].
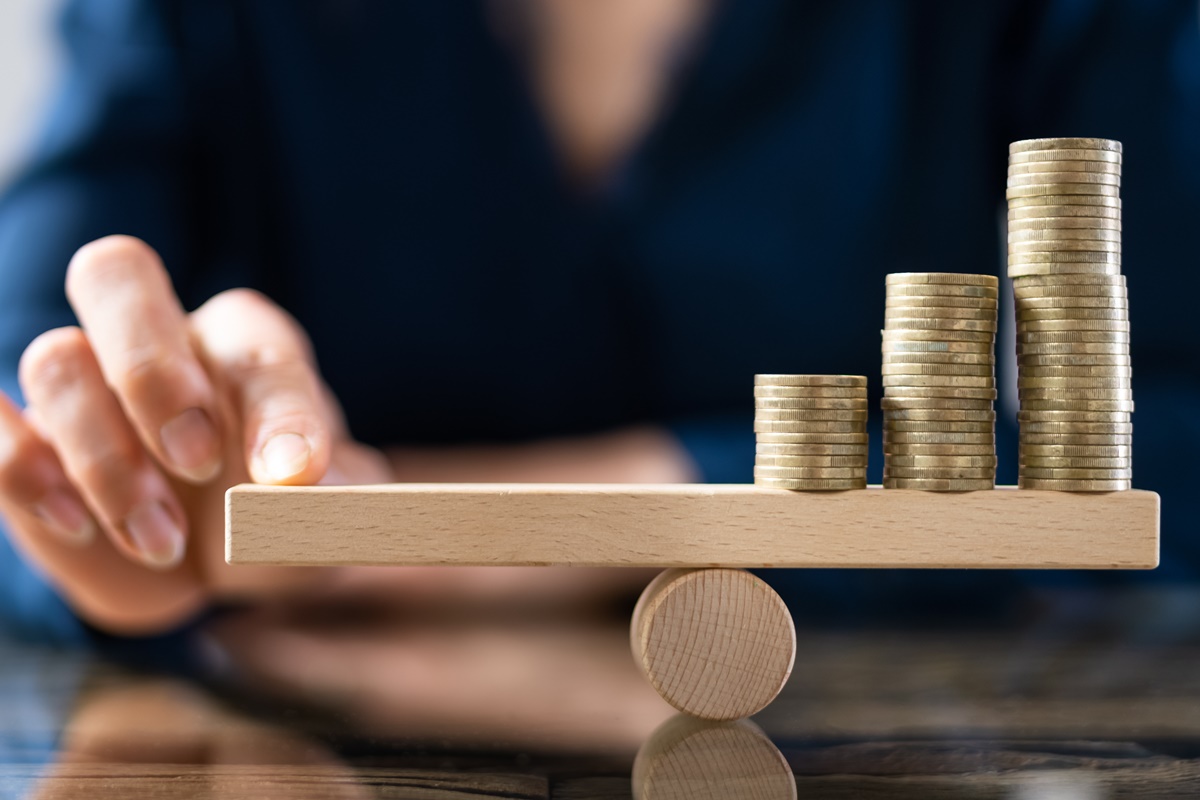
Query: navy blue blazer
[380,169]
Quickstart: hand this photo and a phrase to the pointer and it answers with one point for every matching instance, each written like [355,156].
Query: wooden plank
[688,525]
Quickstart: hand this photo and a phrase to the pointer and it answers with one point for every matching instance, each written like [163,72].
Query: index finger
[125,302]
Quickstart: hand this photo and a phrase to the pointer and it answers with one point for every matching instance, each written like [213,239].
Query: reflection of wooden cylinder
[716,643]
[692,759]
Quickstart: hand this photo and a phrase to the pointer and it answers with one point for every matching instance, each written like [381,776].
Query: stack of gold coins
[811,431]
[939,382]
[1073,368]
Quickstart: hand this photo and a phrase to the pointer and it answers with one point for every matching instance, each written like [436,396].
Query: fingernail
[285,455]
[190,442]
[156,535]
[66,516]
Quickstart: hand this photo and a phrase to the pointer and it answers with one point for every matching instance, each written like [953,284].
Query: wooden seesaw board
[689,525]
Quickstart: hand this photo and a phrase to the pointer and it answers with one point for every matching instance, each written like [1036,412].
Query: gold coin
[1078,405]
[1052,213]
[1069,303]
[1075,372]
[916,335]
[1078,451]
[1064,224]
[1074,462]
[940,301]
[1066,312]
[1046,473]
[939,290]
[1064,165]
[1026,236]
[1017,180]
[767,449]
[1085,360]
[1059,282]
[1074,417]
[937,426]
[1068,262]
[1073,348]
[976,370]
[1063,245]
[940,485]
[837,381]
[1074,422]
[1063,154]
[939,312]
[1074,486]
[1071,382]
[840,462]
[1077,439]
[938,415]
[1075,395]
[1064,143]
[895,345]
[1059,200]
[841,403]
[819,437]
[1022,270]
[936,473]
[812,392]
[947,359]
[935,403]
[893,323]
[1062,189]
[809,414]
[939,450]
[954,392]
[823,426]
[902,437]
[966,381]
[969,462]
[943,278]
[1072,337]
[1073,324]
[849,484]
[808,473]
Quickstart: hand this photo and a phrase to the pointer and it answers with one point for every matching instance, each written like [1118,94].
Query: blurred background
[28,65]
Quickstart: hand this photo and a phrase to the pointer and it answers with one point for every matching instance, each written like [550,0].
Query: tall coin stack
[811,431]
[1073,368]
[939,382]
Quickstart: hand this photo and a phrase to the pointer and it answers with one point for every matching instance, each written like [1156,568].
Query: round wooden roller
[718,644]
[694,759]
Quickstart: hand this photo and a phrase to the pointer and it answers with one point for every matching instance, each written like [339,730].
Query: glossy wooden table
[1043,694]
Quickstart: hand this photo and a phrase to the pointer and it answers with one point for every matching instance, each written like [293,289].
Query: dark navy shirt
[381,170]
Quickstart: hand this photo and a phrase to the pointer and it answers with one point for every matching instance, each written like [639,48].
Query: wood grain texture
[689,525]
[691,759]
[718,644]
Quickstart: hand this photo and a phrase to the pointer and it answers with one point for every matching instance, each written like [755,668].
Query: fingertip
[156,536]
[192,446]
[285,457]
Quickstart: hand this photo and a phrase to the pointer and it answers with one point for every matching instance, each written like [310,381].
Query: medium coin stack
[811,432]
[1073,368]
[939,382]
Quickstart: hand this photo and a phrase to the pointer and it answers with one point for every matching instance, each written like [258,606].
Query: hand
[112,480]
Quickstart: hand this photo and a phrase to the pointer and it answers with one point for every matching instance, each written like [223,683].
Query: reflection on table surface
[1067,695]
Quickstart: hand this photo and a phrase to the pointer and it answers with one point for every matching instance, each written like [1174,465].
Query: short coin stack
[1073,368]
[811,431]
[939,383]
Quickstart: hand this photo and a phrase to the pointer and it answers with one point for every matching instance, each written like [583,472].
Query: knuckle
[146,371]
[53,360]
[108,261]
